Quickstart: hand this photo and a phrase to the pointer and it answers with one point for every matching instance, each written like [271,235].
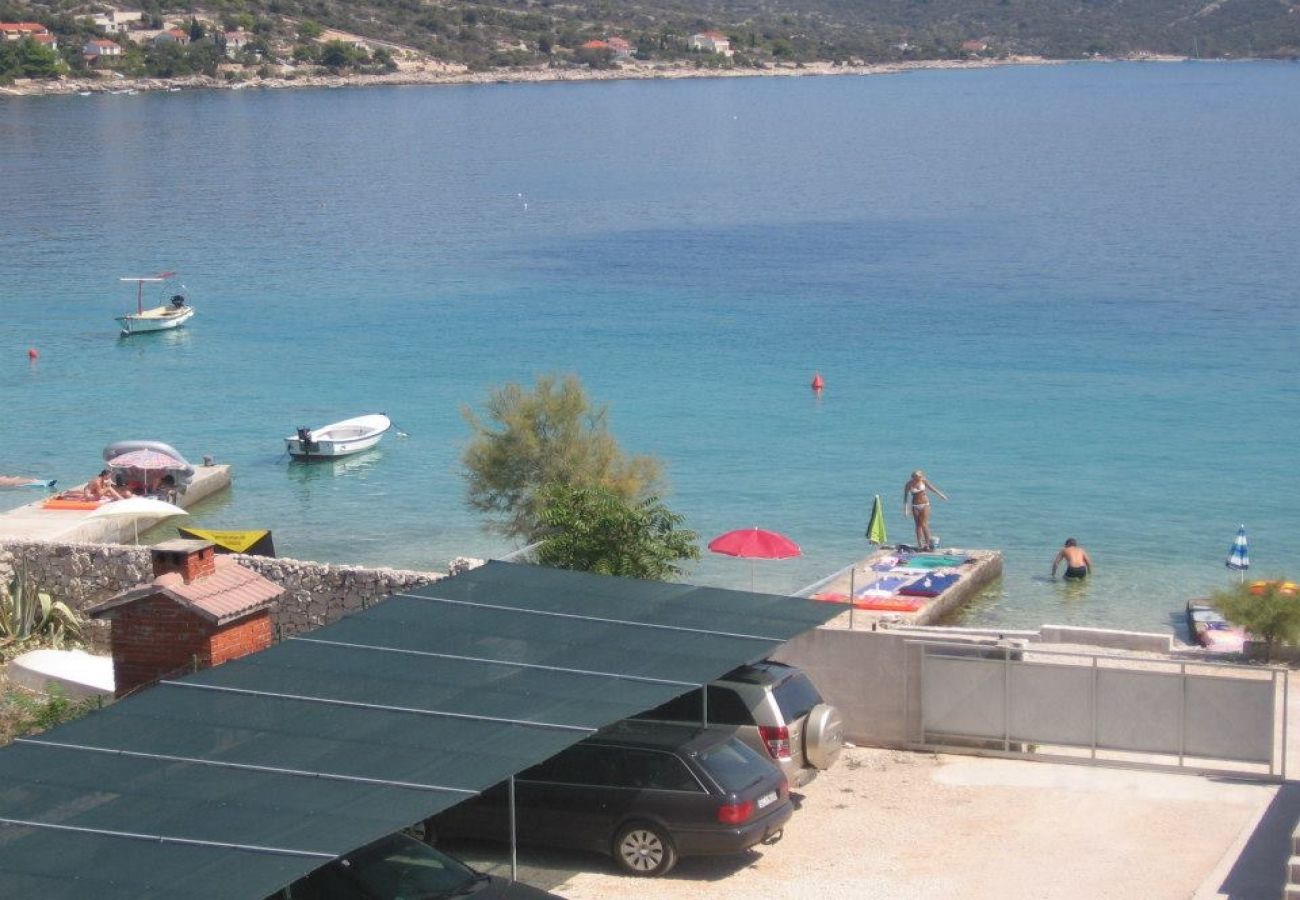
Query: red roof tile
[230,593]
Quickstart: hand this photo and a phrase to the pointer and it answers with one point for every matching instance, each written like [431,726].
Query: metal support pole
[907,691]
[853,583]
[1094,709]
[704,705]
[514,848]
[1286,702]
[1182,713]
[1006,699]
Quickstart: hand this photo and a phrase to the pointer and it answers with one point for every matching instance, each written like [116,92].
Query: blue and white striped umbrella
[1238,557]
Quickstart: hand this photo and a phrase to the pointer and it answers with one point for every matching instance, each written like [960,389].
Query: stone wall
[316,594]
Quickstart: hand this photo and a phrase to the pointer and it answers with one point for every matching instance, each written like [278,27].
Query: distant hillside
[483,35]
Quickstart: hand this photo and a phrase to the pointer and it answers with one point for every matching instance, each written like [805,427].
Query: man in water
[1077,562]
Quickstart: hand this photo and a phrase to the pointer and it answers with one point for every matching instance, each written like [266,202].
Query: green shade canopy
[234,781]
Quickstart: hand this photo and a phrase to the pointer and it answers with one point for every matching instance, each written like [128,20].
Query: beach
[434,73]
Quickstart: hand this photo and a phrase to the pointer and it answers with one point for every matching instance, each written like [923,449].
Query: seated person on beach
[1077,562]
[165,489]
[101,488]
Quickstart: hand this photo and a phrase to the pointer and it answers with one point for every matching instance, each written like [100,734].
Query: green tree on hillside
[28,59]
[593,529]
[549,436]
[1270,613]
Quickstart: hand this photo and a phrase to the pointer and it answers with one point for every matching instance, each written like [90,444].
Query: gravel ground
[887,824]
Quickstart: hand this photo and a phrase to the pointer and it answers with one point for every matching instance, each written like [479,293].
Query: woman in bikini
[916,500]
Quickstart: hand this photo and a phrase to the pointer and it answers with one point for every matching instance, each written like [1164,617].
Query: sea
[1069,293]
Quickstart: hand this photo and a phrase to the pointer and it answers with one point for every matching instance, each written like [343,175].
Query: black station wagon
[643,793]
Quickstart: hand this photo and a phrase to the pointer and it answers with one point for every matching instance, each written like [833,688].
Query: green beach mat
[933,562]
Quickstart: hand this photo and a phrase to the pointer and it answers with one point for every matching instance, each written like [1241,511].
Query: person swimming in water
[916,500]
[1078,564]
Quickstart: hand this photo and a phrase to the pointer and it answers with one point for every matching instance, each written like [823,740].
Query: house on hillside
[48,40]
[712,42]
[98,50]
[974,46]
[177,36]
[118,21]
[236,41]
[16,31]
[621,47]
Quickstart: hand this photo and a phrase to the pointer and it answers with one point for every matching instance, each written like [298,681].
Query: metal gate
[1074,706]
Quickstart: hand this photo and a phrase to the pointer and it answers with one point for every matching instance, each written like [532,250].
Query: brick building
[200,610]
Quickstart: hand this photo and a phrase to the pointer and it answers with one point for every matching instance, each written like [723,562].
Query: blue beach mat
[930,585]
[890,584]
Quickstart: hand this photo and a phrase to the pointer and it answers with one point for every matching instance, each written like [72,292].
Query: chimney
[190,559]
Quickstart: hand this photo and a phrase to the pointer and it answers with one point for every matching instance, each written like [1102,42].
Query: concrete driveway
[890,824]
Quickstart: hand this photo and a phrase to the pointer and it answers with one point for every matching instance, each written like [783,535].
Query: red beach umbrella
[754,543]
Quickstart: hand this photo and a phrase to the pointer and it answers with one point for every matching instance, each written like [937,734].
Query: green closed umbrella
[876,524]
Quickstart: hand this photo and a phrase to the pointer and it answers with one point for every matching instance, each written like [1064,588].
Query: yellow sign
[234,541]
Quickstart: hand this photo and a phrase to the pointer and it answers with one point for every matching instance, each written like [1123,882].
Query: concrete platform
[982,569]
[35,523]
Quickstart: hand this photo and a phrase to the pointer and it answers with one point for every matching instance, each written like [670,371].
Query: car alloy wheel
[643,849]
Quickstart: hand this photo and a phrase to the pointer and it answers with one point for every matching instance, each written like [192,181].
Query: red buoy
[32,354]
[818,383]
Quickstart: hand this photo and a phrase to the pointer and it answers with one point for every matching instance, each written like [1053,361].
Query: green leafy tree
[594,529]
[1267,610]
[533,440]
[37,60]
[338,55]
[309,30]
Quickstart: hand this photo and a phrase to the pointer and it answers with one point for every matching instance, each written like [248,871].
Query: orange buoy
[818,383]
[32,354]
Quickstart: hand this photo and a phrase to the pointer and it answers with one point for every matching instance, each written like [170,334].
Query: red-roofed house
[200,610]
[595,45]
[173,36]
[16,31]
[100,48]
[622,48]
[712,42]
[236,41]
[48,40]
[974,46]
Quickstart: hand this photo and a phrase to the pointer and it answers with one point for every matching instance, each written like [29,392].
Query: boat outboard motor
[305,441]
[178,300]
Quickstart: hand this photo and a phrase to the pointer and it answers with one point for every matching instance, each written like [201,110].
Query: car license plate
[767,799]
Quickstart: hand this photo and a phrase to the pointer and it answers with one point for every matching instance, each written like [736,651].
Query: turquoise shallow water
[1071,294]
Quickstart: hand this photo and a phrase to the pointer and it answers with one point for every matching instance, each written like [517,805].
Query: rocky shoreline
[436,74]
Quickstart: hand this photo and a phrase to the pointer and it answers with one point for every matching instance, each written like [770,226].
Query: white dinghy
[339,439]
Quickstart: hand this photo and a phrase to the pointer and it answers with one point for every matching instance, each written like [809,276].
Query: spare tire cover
[823,736]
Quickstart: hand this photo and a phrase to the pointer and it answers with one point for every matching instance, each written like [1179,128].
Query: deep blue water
[1071,294]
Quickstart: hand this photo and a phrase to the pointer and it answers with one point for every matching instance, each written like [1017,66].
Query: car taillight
[777,740]
[735,813]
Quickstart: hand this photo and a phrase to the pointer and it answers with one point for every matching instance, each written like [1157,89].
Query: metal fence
[1023,701]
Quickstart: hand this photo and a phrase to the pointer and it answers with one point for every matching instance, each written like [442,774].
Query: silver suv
[776,709]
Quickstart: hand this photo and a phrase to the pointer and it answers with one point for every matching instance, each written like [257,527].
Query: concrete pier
[981,569]
[34,522]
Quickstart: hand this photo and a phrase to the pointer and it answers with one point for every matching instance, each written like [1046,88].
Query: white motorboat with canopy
[172,314]
[340,439]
